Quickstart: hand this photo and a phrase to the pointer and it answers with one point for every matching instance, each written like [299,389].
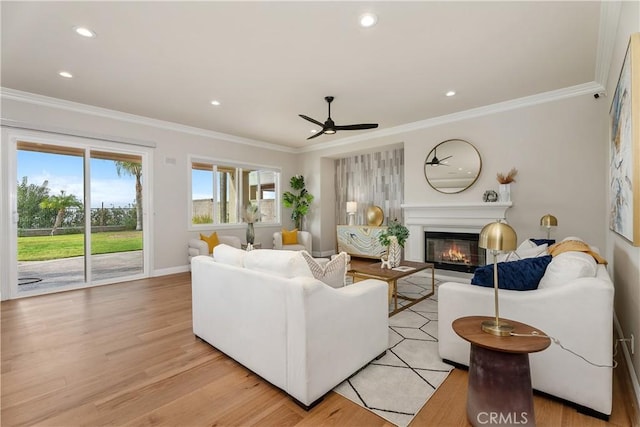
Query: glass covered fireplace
[453,251]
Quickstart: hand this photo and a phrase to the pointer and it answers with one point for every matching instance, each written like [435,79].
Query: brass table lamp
[497,237]
[548,221]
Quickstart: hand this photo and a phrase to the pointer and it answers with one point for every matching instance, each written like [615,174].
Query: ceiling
[267,62]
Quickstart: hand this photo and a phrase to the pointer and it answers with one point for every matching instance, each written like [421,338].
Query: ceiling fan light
[330,131]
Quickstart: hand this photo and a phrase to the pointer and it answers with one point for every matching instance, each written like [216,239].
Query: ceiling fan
[329,127]
[436,161]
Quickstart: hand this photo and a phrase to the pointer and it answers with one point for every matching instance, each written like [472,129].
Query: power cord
[557,341]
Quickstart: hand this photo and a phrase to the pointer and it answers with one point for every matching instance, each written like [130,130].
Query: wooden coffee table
[361,270]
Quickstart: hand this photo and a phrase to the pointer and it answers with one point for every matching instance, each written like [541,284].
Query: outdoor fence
[102,219]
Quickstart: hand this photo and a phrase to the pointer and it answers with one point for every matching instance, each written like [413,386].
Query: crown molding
[77,107]
[527,101]
[609,18]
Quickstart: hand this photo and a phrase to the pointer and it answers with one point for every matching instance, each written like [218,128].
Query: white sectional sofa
[578,313]
[264,309]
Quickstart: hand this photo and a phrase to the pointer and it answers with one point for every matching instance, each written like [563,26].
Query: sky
[66,173]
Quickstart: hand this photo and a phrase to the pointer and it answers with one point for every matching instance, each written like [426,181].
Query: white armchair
[200,247]
[304,242]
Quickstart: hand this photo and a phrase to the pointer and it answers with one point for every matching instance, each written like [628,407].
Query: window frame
[239,168]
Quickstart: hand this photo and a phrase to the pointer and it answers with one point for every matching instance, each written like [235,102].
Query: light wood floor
[125,354]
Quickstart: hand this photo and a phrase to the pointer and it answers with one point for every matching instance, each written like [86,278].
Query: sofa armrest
[199,246]
[333,333]
[304,238]
[277,240]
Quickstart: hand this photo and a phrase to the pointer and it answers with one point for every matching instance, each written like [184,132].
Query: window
[221,191]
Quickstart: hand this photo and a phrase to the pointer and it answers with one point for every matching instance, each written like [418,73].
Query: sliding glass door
[62,191]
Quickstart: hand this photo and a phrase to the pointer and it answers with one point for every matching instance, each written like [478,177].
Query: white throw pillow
[566,267]
[524,251]
[226,254]
[332,273]
[278,262]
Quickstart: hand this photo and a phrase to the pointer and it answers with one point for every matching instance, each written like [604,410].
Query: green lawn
[41,248]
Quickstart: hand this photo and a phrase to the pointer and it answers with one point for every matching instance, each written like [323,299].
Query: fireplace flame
[455,255]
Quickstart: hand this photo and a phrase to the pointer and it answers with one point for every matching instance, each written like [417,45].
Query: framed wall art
[624,158]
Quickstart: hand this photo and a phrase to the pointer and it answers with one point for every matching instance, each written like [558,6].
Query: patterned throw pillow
[290,237]
[212,240]
[333,273]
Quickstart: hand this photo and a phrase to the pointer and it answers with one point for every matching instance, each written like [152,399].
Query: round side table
[500,390]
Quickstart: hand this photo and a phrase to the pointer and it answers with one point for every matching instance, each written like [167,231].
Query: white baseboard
[627,357]
[171,270]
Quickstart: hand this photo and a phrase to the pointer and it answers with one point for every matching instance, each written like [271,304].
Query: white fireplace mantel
[453,217]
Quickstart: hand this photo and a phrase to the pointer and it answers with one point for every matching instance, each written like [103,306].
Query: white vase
[394,252]
[504,192]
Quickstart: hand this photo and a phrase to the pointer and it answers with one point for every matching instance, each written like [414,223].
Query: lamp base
[499,328]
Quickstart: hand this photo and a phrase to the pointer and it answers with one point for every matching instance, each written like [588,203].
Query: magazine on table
[403,268]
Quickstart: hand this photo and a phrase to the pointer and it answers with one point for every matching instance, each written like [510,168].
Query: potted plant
[300,202]
[393,238]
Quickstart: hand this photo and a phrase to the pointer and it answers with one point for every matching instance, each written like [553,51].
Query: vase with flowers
[251,214]
[394,237]
[505,181]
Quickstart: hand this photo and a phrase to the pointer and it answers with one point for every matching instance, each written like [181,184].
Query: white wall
[624,257]
[556,147]
[170,192]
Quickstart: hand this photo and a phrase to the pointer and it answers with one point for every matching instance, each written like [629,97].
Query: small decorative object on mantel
[252,214]
[505,184]
[490,196]
[394,237]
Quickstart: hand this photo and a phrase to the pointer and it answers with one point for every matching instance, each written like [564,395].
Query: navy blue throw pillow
[539,242]
[521,275]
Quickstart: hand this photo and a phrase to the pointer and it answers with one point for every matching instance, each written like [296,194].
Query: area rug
[398,385]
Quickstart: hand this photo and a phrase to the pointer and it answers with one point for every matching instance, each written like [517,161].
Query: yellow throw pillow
[212,241]
[290,237]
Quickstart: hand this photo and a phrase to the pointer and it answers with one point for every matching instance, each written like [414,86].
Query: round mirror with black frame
[452,166]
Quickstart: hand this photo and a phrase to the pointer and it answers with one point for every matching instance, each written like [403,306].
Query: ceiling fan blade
[316,135]
[360,126]
[311,120]
[442,160]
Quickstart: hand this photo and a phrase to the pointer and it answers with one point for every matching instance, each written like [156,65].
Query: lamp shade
[498,236]
[352,207]
[549,221]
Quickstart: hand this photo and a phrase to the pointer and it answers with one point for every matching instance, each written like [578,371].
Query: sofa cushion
[543,241]
[278,262]
[226,254]
[527,249]
[522,275]
[212,240]
[568,266]
[289,237]
[332,273]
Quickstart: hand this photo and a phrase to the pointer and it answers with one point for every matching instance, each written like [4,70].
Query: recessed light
[215,102]
[314,131]
[368,20]
[65,74]
[84,32]
[451,93]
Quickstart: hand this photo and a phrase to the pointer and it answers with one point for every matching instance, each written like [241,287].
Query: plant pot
[251,234]
[394,252]
[504,192]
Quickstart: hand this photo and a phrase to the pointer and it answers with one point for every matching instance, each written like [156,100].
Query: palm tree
[60,203]
[133,169]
